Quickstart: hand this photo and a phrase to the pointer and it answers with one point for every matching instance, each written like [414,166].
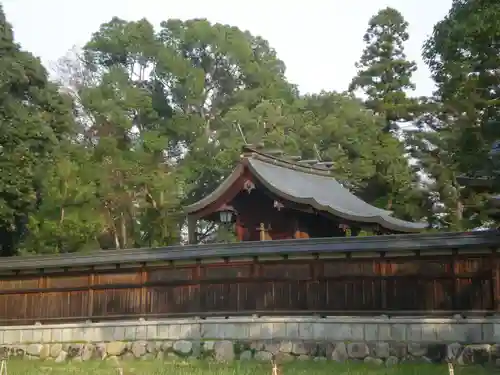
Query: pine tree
[34,118]
[384,73]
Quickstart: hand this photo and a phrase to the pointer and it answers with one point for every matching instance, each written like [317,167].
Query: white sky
[319,40]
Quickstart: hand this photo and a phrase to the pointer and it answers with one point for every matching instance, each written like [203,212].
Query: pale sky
[319,40]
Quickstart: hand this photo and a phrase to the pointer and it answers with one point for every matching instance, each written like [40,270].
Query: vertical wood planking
[416,284]
[90,309]
[454,272]
[196,290]
[143,291]
[383,264]
[495,279]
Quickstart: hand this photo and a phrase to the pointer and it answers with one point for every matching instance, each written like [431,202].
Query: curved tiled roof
[311,186]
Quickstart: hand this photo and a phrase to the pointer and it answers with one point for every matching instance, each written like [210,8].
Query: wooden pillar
[240,230]
[192,237]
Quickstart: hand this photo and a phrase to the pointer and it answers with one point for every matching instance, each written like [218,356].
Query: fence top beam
[414,244]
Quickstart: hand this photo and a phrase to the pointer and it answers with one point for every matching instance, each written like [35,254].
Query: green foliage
[384,73]
[155,119]
[463,55]
[34,120]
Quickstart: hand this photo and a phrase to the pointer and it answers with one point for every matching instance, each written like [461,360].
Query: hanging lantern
[227,214]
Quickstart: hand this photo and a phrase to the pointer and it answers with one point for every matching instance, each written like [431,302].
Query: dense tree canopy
[464,58]
[35,120]
[142,121]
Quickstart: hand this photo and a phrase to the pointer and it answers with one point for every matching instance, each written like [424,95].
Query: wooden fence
[404,285]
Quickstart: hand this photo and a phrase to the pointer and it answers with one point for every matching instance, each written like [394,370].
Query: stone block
[306,330]
[37,335]
[190,331]
[105,334]
[358,350]
[357,332]
[349,332]
[56,335]
[320,331]
[27,336]
[130,333]
[11,337]
[254,331]
[429,333]
[292,331]
[371,332]
[78,334]
[162,332]
[67,335]
[384,332]
[488,332]
[381,350]
[209,330]
[377,332]
[118,333]
[473,333]
[47,335]
[151,331]
[231,331]
[141,332]
[398,332]
[449,332]
[496,332]
[278,330]
[89,334]
[414,333]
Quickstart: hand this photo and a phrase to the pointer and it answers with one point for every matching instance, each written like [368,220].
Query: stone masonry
[374,339]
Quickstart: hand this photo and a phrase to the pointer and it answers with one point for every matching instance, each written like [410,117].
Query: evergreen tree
[384,76]
[34,118]
[384,73]
[463,55]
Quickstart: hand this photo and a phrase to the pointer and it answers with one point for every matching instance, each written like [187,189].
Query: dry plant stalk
[3,367]
[275,370]
[451,371]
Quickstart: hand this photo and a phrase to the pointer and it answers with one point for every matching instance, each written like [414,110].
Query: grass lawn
[238,368]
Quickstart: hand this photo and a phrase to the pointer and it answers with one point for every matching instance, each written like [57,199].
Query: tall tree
[463,55]
[384,77]
[164,115]
[34,119]
[384,73]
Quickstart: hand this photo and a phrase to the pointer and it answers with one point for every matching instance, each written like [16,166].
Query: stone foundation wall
[377,340]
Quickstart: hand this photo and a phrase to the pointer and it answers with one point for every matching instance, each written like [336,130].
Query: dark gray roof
[311,186]
[421,243]
[324,193]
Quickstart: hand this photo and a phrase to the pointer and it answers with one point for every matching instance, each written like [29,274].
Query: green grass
[237,368]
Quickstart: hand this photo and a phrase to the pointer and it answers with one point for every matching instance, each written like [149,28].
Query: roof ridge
[254,153]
